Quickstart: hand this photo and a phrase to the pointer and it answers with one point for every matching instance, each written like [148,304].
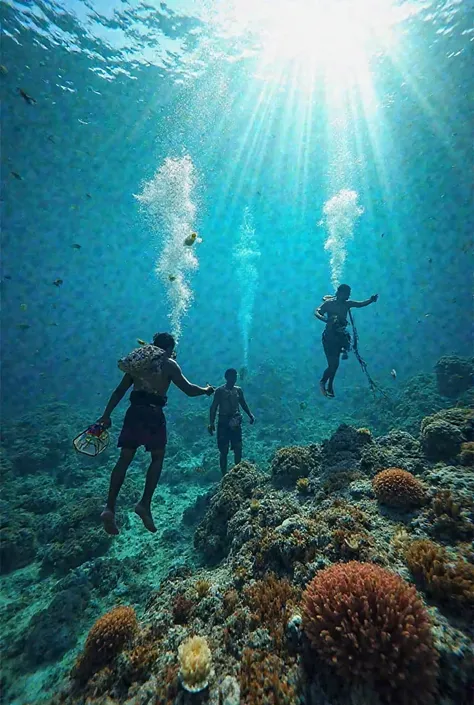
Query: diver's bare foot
[330,394]
[108,520]
[145,516]
[323,389]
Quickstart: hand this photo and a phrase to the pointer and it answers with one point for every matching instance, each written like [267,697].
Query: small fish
[16,175]
[382,235]
[7,276]
[73,208]
[23,307]
[393,374]
[191,239]
[42,374]
[58,282]
[3,70]
[23,326]
[51,139]
[53,324]
[171,277]
[25,96]
[141,342]
[430,261]
[303,405]
[88,195]
[76,246]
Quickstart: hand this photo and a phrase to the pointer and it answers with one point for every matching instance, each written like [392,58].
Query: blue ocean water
[307,144]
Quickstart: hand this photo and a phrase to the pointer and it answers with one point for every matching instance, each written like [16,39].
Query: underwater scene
[237,439]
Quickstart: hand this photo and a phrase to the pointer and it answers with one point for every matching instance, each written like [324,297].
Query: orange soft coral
[371,627]
[105,640]
[398,488]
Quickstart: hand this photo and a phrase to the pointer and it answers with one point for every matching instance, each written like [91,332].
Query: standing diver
[336,338]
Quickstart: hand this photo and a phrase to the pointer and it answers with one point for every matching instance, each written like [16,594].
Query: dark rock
[454,375]
[53,631]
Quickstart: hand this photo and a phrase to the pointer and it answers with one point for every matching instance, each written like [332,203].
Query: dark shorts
[334,343]
[228,435]
[144,425]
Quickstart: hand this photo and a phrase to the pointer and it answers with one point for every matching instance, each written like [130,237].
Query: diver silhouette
[150,370]
[336,338]
[228,399]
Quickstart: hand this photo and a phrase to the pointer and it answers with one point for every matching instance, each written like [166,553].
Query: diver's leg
[143,508]
[327,371]
[333,369]
[223,460]
[116,481]
[237,453]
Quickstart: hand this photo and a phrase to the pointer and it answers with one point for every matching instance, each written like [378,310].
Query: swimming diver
[228,399]
[144,422]
[336,338]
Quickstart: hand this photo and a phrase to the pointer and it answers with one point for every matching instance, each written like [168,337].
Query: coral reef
[268,536]
[454,375]
[398,488]
[467,454]
[449,582]
[264,680]
[370,626]
[106,639]
[291,464]
[195,662]
[236,487]
[443,433]
[450,517]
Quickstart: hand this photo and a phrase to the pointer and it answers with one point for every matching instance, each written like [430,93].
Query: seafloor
[327,571]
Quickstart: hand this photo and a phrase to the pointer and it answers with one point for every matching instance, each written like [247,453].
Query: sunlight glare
[336,38]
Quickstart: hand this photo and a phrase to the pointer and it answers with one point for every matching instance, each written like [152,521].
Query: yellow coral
[302,485]
[195,662]
[202,587]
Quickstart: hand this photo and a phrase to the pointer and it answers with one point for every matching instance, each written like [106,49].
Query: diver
[150,370]
[336,338]
[228,399]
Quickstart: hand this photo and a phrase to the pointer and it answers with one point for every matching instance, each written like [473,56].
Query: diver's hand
[374,298]
[252,419]
[209,391]
[105,421]
[211,428]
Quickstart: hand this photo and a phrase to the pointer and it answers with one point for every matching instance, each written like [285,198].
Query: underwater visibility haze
[216,170]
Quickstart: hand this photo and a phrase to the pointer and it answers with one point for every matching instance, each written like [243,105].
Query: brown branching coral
[270,599]
[398,488]
[182,608]
[371,627]
[109,635]
[264,680]
[448,518]
[447,581]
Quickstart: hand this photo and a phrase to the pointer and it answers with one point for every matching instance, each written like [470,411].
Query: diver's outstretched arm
[362,304]
[191,390]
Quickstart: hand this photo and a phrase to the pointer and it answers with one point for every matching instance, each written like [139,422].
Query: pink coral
[371,627]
